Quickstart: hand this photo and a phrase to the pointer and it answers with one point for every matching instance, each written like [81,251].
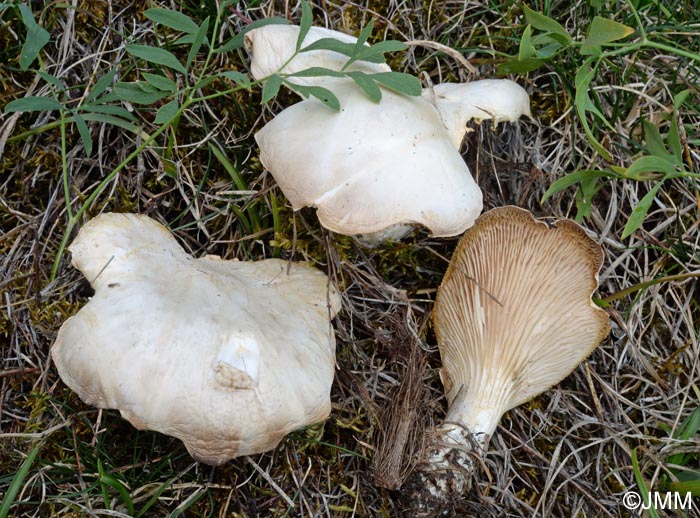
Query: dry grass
[567,453]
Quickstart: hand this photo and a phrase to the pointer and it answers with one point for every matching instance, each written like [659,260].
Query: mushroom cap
[372,165]
[227,356]
[271,46]
[458,103]
[514,313]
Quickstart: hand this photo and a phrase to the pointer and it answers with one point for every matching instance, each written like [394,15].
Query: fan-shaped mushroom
[513,316]
[374,168]
[227,356]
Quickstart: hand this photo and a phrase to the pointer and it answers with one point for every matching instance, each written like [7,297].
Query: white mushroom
[272,47]
[374,169]
[372,165]
[495,99]
[513,316]
[227,356]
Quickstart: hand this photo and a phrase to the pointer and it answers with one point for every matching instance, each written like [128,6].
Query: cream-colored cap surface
[372,165]
[227,356]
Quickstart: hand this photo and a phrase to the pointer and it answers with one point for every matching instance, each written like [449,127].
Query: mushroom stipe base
[450,464]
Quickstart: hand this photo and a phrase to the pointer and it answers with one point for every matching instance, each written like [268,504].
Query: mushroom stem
[455,450]
[498,351]
[446,472]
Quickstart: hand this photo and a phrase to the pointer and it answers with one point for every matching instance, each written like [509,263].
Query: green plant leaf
[173,19]
[674,140]
[199,39]
[364,35]
[37,37]
[399,82]
[686,486]
[271,87]
[584,197]
[316,72]
[525,49]
[118,111]
[239,78]
[238,40]
[33,104]
[230,168]
[680,98]
[322,94]
[84,132]
[133,93]
[159,82]
[654,141]
[641,168]
[545,46]
[111,119]
[687,430]
[189,502]
[332,44]
[156,55]
[101,85]
[544,23]
[603,31]
[154,498]
[574,178]
[307,19]
[17,482]
[367,85]
[51,80]
[640,211]
[375,53]
[166,112]
[584,104]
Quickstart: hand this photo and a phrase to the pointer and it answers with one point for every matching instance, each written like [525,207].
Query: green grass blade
[191,500]
[156,495]
[642,485]
[107,479]
[17,481]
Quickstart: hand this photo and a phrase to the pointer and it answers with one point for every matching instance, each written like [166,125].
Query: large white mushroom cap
[375,168]
[227,356]
[372,165]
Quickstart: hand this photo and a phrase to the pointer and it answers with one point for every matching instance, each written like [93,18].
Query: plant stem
[672,50]
[64,166]
[74,218]
[643,285]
